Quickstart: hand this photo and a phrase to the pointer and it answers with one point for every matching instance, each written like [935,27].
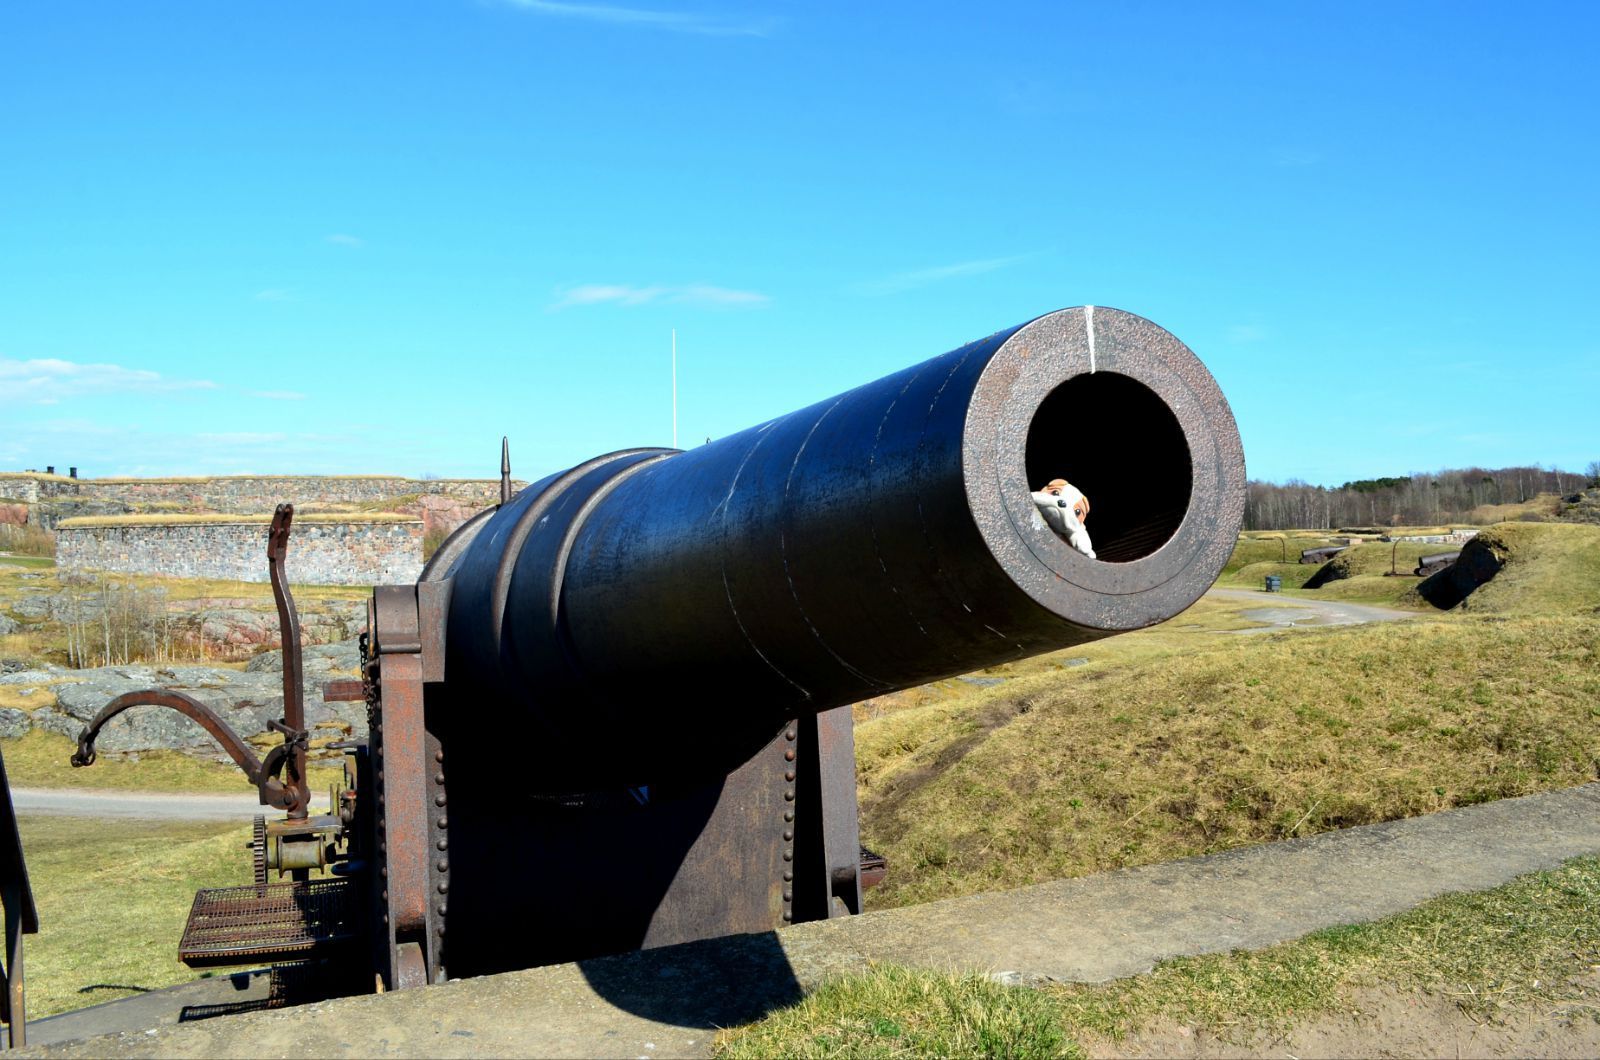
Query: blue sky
[372,237]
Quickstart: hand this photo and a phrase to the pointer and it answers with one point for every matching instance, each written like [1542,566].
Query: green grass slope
[1162,746]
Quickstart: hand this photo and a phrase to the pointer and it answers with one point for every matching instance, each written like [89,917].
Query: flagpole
[674,388]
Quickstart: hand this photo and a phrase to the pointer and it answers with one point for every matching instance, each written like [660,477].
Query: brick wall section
[248,495]
[320,553]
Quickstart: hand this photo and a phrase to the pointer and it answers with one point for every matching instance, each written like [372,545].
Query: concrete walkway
[669,1002]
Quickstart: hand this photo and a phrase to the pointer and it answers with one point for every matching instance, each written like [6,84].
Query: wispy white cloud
[694,294]
[909,281]
[275,294]
[242,438]
[706,25]
[1293,158]
[278,395]
[46,381]
[343,239]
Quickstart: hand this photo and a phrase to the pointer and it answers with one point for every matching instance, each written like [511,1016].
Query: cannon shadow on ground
[713,983]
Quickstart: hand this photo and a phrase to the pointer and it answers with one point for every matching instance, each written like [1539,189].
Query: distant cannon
[1433,564]
[614,710]
[1321,555]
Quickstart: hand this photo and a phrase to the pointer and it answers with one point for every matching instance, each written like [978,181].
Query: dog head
[1065,508]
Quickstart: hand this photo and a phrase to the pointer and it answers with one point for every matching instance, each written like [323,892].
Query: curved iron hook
[272,790]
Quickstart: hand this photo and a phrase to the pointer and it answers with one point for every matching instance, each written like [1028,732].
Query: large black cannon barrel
[654,610]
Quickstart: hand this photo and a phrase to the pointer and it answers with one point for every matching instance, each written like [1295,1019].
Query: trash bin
[1274,583]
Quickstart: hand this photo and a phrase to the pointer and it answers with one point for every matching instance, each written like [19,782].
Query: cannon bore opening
[1117,441]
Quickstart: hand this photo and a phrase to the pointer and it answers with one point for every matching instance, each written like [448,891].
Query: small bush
[27,540]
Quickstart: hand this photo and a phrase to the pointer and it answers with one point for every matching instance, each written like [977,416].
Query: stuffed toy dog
[1064,509]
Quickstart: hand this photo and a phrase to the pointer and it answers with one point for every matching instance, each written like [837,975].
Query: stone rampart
[321,552]
[247,494]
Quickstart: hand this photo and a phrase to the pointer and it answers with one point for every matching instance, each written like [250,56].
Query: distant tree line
[1421,499]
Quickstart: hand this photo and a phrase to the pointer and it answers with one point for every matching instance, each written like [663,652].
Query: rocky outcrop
[14,723]
[247,700]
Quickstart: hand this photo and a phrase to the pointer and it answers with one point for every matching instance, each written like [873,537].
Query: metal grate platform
[272,922]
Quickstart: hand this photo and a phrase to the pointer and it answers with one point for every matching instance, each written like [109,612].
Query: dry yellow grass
[112,899]
[37,475]
[1150,752]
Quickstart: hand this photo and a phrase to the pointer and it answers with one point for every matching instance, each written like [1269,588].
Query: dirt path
[1284,612]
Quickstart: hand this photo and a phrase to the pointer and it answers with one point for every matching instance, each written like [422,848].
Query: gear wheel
[258,850]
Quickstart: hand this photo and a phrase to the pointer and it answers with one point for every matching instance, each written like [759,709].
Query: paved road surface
[78,802]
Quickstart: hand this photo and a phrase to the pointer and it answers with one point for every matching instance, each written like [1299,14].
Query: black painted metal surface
[654,614]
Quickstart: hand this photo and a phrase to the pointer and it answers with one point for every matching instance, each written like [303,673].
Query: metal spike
[505,470]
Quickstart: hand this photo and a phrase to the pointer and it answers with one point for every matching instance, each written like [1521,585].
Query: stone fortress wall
[235,494]
[150,526]
[321,552]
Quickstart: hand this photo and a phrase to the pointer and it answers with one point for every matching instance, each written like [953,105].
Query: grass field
[112,899]
[1530,946]
[1152,750]
[1177,741]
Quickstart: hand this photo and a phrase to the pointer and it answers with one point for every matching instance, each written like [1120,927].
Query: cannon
[1435,562]
[1321,555]
[614,710]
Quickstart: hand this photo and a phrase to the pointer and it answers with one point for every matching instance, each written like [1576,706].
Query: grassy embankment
[1258,555]
[1176,741]
[1527,947]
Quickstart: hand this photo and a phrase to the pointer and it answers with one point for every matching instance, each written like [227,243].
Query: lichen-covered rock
[31,606]
[8,624]
[14,723]
[246,700]
[44,675]
[345,655]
